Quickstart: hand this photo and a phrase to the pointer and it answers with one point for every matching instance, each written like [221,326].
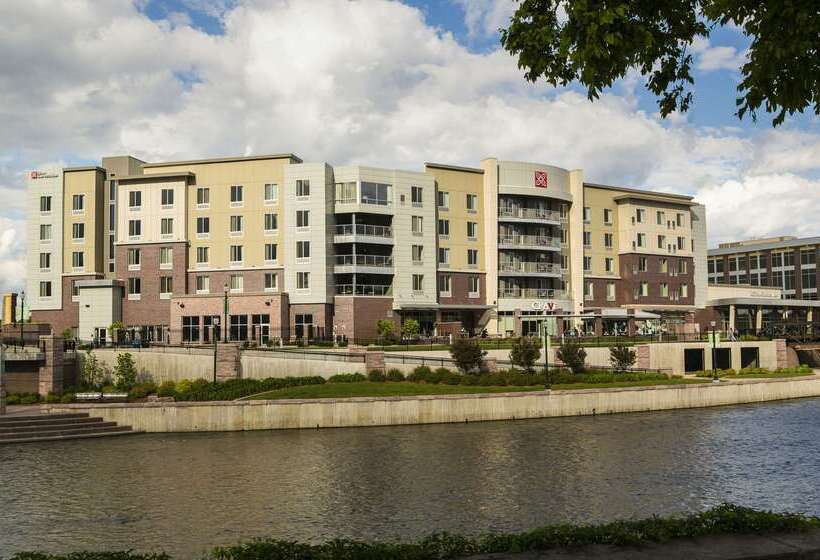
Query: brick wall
[68,316]
[459,288]
[150,309]
[630,279]
[356,317]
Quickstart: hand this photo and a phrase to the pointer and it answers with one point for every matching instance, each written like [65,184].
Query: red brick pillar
[374,360]
[50,378]
[228,365]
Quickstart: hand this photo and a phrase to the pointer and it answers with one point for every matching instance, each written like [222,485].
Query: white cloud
[348,82]
[711,58]
[486,17]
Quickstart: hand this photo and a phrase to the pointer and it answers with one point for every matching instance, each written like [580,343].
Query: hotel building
[263,247]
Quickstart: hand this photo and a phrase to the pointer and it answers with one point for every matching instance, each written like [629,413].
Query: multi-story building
[262,247]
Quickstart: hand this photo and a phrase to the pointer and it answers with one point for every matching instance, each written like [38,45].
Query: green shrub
[183,386]
[621,357]
[395,374]
[237,388]
[166,389]
[572,355]
[525,351]
[68,398]
[52,398]
[108,389]
[376,376]
[142,390]
[347,378]
[125,371]
[12,399]
[411,328]
[467,354]
[420,374]
[29,399]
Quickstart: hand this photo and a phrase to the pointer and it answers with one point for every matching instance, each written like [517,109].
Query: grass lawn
[646,383]
[772,375]
[370,389]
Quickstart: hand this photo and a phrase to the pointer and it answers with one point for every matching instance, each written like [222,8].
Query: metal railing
[363,290]
[383,261]
[531,267]
[529,213]
[532,293]
[364,229]
[530,241]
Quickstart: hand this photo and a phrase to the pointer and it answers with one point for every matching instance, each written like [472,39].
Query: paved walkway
[734,547]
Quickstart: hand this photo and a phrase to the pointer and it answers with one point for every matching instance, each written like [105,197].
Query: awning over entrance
[614,313]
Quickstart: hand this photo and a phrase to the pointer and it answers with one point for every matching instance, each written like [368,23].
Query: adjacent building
[267,247]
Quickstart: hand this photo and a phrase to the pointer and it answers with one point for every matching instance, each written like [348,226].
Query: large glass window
[375,193]
[304,325]
[190,329]
[346,192]
[239,327]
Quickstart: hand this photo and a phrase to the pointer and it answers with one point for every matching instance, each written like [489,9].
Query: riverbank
[424,409]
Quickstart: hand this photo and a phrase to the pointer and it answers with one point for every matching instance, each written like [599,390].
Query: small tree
[525,351]
[67,334]
[467,354]
[411,328]
[573,356]
[114,331]
[93,373]
[621,357]
[384,327]
[125,371]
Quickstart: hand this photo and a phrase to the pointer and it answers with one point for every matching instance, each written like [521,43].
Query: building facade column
[732,315]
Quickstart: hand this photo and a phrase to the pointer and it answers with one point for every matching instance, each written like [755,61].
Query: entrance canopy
[616,313]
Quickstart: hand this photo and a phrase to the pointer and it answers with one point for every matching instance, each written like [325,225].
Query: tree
[411,328]
[572,355]
[525,351]
[621,357]
[67,334]
[93,373]
[467,354]
[114,331]
[596,43]
[125,371]
[384,327]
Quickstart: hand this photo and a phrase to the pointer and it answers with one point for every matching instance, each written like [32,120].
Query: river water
[184,493]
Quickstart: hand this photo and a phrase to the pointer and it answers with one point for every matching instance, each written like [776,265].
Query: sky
[376,82]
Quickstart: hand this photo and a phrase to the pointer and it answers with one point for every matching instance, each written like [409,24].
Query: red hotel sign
[41,175]
[540,179]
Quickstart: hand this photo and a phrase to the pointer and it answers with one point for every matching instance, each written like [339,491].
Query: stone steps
[56,427]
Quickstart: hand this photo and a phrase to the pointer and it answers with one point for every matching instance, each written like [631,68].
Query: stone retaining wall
[337,413]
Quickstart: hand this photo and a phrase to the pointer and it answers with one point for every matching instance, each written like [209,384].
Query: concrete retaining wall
[337,413]
[164,364]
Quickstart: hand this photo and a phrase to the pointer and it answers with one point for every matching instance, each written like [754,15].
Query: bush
[68,398]
[395,375]
[52,398]
[142,390]
[125,372]
[621,357]
[93,373]
[572,355]
[376,376]
[29,399]
[347,378]
[467,354]
[411,328]
[183,386]
[524,352]
[420,374]
[166,389]
[237,388]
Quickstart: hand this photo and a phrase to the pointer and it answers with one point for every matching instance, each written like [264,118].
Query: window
[45,289]
[640,215]
[644,289]
[417,251]
[236,282]
[472,230]
[443,198]
[661,241]
[271,282]
[608,240]
[609,264]
[610,291]
[203,197]
[679,219]
[663,266]
[417,225]
[236,254]
[303,249]
[239,327]
[166,285]
[45,261]
[202,254]
[444,256]
[682,267]
[270,252]
[237,195]
[303,280]
[808,256]
[472,203]
[684,290]
[78,232]
[271,222]
[45,204]
[303,187]
[642,264]
[271,193]
[664,289]
[472,258]
[444,282]
[203,284]
[134,200]
[166,226]
[134,259]
[473,286]
[134,228]
[660,218]
[203,226]
[587,239]
[134,286]
[607,216]
[345,192]
[77,259]
[418,283]
[45,232]
[681,243]
[303,218]
[75,289]
[190,329]
[587,264]
[112,217]
[77,203]
[416,196]
[167,197]
[444,229]
[587,214]
[237,224]
[641,241]
[165,257]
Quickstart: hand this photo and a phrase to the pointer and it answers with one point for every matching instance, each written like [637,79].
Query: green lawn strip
[370,389]
[773,375]
[645,383]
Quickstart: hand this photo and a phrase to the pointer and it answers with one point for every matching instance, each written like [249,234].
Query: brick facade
[632,278]
[459,288]
[150,309]
[275,305]
[68,316]
[356,317]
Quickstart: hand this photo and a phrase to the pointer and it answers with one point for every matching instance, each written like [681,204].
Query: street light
[22,317]
[714,341]
[225,313]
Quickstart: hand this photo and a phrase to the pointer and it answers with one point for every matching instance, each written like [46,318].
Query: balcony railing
[529,213]
[382,261]
[364,229]
[531,267]
[363,290]
[530,241]
[532,293]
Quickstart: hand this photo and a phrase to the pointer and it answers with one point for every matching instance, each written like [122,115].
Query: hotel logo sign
[42,175]
[540,179]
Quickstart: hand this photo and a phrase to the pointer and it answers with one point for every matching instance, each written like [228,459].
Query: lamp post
[225,313]
[22,317]
[714,342]
[214,335]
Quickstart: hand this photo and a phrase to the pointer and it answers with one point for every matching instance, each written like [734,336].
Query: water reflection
[185,493]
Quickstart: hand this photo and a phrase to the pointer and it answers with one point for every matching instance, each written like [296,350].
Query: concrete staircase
[56,427]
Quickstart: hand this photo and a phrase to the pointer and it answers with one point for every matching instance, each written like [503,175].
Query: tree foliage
[384,327]
[93,373]
[125,371]
[524,352]
[467,354]
[573,356]
[411,328]
[621,357]
[595,42]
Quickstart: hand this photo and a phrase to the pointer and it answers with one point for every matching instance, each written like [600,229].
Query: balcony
[529,268]
[532,293]
[374,264]
[363,290]
[517,241]
[363,233]
[517,214]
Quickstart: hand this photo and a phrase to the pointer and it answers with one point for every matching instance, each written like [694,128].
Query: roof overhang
[157,176]
[765,302]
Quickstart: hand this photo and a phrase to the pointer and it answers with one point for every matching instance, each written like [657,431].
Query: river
[184,493]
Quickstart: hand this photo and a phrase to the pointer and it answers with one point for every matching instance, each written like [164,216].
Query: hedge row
[754,371]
